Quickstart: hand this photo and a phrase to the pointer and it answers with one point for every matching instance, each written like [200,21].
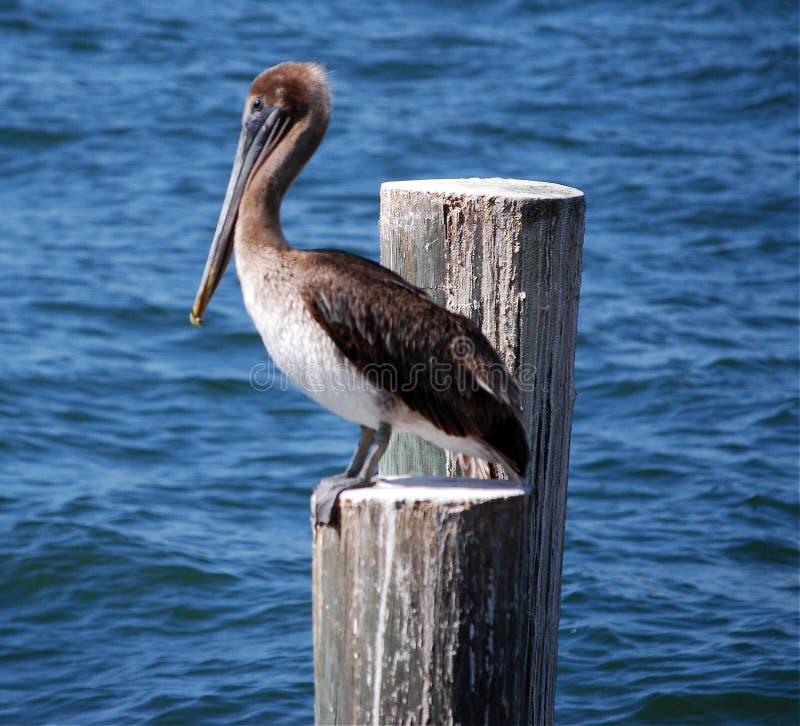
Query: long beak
[259,137]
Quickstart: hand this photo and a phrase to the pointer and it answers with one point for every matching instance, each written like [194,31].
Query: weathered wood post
[438,602]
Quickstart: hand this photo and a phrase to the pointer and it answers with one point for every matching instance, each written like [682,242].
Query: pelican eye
[257,104]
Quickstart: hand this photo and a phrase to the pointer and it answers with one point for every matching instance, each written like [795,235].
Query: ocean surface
[154,525]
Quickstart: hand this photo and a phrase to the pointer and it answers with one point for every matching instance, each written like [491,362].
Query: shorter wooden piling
[428,627]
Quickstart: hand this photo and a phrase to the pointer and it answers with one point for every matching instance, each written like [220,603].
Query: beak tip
[195,320]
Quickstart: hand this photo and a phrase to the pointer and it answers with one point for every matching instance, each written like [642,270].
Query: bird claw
[328,491]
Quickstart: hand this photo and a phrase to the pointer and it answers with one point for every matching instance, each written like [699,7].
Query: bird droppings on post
[389,539]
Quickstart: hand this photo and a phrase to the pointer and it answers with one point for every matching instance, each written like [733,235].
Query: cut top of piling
[441,490]
[494,187]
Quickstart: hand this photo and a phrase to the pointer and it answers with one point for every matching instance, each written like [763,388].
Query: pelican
[354,336]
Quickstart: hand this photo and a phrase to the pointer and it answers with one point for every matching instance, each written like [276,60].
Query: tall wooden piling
[420,571]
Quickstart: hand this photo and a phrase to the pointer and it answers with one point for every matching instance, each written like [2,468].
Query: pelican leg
[378,448]
[360,455]
[362,468]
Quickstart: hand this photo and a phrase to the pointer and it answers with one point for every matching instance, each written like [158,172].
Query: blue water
[154,533]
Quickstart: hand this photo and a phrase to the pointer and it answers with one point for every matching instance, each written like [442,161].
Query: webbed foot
[362,468]
[329,489]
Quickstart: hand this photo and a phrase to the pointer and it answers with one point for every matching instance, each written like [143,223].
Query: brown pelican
[356,337]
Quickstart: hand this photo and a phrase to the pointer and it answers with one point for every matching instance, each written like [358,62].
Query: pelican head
[284,119]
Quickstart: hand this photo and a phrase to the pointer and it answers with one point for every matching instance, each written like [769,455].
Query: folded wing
[437,362]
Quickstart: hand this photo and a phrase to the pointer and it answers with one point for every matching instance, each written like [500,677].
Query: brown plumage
[437,362]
